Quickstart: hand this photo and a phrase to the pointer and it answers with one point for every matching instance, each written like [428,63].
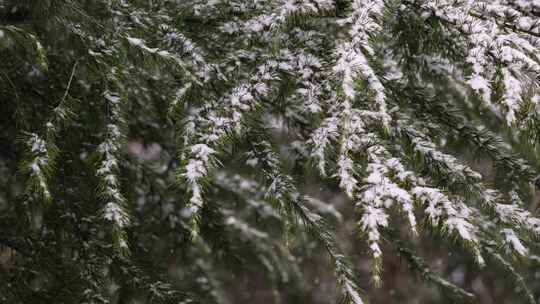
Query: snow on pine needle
[422,116]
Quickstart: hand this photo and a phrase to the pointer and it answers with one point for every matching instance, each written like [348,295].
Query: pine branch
[517,278]
[416,264]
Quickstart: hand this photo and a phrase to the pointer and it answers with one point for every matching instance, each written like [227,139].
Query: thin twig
[70,80]
[12,85]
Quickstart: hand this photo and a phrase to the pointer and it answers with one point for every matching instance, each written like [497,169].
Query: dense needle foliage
[182,151]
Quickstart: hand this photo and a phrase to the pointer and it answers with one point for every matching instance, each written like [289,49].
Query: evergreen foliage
[160,151]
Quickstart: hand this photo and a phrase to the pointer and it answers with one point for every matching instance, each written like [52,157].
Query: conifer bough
[151,149]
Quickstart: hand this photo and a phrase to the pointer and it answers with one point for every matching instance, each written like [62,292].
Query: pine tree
[160,151]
